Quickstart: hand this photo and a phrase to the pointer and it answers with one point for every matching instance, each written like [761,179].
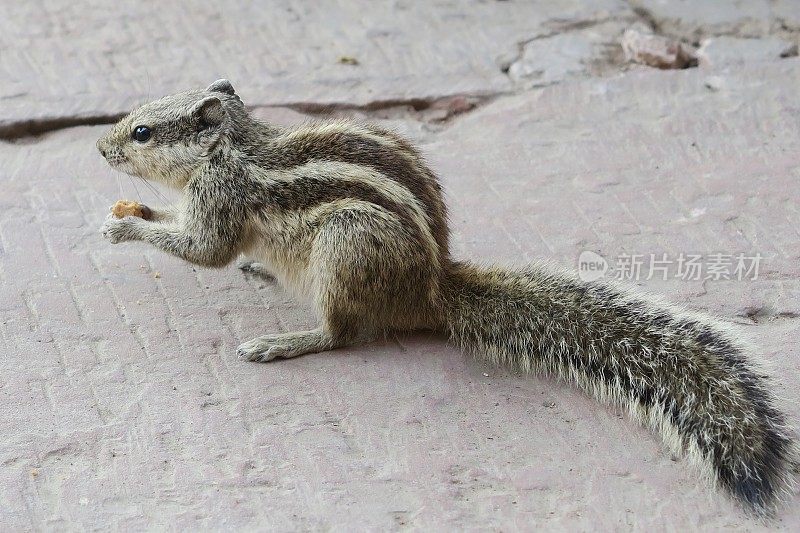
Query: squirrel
[349,216]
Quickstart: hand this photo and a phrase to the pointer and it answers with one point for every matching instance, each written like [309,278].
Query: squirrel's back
[393,159]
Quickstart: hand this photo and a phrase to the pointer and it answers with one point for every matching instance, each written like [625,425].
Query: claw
[254,268]
[261,352]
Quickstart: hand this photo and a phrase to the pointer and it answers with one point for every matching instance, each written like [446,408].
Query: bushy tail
[680,373]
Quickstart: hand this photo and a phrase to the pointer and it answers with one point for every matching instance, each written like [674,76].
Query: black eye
[141,134]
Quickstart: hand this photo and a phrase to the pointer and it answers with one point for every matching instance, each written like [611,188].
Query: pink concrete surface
[122,403]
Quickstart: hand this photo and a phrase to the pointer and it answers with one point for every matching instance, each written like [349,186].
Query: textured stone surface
[563,56]
[687,18]
[730,51]
[694,21]
[95,58]
[124,406]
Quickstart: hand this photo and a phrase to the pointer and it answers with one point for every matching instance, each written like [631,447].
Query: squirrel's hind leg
[366,277]
[285,345]
[339,329]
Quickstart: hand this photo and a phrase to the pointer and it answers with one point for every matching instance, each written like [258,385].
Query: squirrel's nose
[101,147]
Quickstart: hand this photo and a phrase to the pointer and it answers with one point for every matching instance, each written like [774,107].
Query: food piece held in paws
[129,208]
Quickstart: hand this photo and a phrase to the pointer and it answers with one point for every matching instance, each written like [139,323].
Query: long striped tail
[682,374]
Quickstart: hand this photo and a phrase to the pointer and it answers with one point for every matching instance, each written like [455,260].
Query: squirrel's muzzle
[101,146]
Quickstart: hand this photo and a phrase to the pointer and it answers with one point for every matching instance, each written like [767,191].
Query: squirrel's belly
[282,245]
[290,271]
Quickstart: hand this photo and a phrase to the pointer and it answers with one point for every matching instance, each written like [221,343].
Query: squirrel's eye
[141,134]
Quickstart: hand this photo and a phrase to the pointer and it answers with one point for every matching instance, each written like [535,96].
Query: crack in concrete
[765,312]
[31,128]
[608,56]
[448,107]
[439,109]
[560,27]
[778,26]
[314,108]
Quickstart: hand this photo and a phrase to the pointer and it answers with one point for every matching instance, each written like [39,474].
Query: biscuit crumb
[129,208]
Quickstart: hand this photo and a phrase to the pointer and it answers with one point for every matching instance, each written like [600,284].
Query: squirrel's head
[166,140]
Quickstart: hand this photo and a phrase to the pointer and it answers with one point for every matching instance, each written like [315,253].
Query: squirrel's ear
[221,86]
[210,111]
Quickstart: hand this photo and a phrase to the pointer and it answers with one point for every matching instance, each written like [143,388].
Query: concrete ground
[122,403]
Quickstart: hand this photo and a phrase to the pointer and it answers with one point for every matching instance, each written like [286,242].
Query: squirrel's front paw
[118,229]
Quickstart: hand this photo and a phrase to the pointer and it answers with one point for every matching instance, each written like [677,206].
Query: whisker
[149,187]
[135,188]
[155,191]
[119,185]
[147,73]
